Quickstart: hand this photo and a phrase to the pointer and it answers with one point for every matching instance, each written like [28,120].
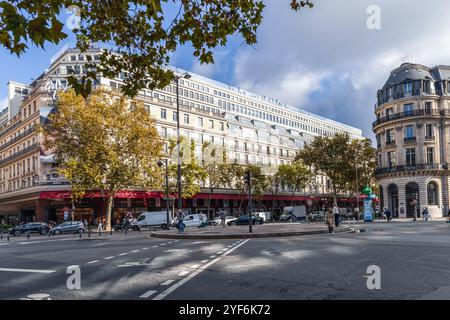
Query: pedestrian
[180,217]
[356,213]
[336,214]
[100,225]
[425,214]
[387,213]
[329,220]
[222,218]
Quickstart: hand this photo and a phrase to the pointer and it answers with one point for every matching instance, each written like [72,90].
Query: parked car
[68,227]
[218,221]
[150,219]
[288,217]
[192,220]
[244,220]
[267,216]
[31,227]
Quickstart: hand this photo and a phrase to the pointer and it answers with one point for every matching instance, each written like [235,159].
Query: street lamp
[177,78]
[160,164]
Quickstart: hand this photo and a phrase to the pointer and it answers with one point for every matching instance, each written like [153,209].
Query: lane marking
[145,248]
[91,262]
[183,273]
[193,274]
[195,266]
[166,283]
[134,251]
[212,257]
[162,244]
[109,258]
[154,246]
[123,254]
[147,294]
[26,270]
[204,261]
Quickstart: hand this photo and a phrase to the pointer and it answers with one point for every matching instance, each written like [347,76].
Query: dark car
[244,220]
[288,217]
[31,227]
[68,227]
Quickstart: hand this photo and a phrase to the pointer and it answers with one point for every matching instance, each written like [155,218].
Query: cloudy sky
[325,60]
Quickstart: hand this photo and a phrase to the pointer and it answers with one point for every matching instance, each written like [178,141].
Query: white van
[152,219]
[265,215]
[193,220]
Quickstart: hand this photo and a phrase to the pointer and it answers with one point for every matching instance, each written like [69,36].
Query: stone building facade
[413,140]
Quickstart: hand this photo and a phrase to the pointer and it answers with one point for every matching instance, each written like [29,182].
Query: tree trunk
[209,201]
[109,210]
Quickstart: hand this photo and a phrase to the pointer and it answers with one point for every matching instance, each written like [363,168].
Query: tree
[192,173]
[332,156]
[365,163]
[217,169]
[142,33]
[296,176]
[98,145]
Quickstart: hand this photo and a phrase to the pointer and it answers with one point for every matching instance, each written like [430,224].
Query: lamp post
[177,78]
[160,164]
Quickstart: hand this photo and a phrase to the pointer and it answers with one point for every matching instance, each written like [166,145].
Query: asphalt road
[414,260]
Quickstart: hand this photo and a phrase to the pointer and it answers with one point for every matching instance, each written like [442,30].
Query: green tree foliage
[144,33]
[98,145]
[336,157]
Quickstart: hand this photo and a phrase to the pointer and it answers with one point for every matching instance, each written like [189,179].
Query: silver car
[68,227]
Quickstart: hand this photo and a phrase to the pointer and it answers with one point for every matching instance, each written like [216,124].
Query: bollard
[110,231]
[28,236]
[139,230]
[7,237]
[1,235]
[79,234]
[89,232]
[99,232]
[126,231]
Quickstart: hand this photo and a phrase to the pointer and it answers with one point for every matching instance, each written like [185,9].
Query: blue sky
[324,60]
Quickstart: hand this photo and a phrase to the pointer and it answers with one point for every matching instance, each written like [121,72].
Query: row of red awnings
[153,195]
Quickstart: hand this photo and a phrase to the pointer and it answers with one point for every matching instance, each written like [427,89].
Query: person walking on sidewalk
[330,220]
[336,214]
[387,213]
[223,219]
[180,217]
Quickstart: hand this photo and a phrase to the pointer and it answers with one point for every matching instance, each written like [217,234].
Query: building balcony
[430,138]
[390,144]
[409,114]
[410,140]
[20,153]
[419,166]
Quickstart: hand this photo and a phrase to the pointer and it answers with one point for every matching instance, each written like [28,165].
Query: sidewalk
[395,220]
[241,232]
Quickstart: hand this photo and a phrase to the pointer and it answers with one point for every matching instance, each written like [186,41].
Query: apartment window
[200,122]
[175,116]
[430,155]
[186,119]
[409,132]
[222,126]
[163,114]
[390,136]
[410,157]
[211,124]
[407,88]
[428,107]
[408,109]
[429,131]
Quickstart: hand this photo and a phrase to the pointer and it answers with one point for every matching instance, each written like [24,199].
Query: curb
[247,235]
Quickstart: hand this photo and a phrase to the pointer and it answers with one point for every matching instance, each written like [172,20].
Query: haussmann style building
[412,130]
[253,129]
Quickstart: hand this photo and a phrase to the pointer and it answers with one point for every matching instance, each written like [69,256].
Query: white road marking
[123,254]
[212,257]
[195,266]
[183,273]
[167,282]
[134,251]
[147,294]
[204,261]
[162,244]
[145,248]
[220,252]
[91,262]
[26,270]
[109,258]
[3,244]
[154,246]
[193,274]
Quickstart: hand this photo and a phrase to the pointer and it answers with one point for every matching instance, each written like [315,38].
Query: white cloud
[3,103]
[327,61]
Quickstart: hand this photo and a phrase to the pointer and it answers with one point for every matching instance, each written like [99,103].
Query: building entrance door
[412,193]
[393,200]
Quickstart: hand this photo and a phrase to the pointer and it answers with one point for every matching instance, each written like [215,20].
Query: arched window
[432,189]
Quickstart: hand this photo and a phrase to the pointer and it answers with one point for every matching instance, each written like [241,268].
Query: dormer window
[407,88]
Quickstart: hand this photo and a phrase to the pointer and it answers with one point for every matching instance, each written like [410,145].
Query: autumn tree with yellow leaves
[104,142]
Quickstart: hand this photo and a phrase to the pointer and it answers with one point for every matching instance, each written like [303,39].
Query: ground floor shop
[57,206]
